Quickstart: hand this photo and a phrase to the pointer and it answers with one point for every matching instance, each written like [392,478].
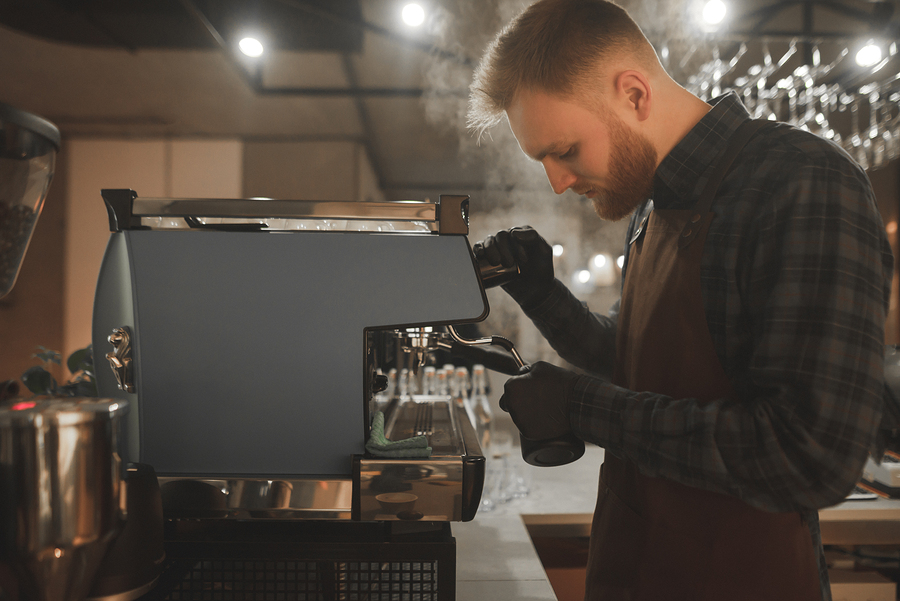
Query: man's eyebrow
[552,149]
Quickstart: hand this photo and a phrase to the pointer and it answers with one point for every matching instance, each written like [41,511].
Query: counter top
[496,559]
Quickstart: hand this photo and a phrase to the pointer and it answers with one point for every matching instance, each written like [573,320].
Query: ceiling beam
[362,111]
[355,92]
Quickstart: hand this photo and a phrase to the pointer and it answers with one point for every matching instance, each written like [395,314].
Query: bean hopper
[28,147]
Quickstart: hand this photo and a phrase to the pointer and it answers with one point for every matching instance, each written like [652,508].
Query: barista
[737,385]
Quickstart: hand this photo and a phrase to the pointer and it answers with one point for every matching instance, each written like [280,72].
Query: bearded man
[737,385]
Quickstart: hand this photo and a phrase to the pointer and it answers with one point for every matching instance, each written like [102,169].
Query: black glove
[524,247]
[538,400]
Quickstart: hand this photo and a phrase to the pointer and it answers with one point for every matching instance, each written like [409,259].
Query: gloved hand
[524,247]
[538,400]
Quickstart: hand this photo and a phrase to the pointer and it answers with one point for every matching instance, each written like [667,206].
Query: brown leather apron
[654,539]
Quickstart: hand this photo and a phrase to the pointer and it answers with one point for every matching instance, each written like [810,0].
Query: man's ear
[634,88]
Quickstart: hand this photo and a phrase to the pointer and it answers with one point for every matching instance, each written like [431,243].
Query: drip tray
[292,561]
[434,416]
[443,487]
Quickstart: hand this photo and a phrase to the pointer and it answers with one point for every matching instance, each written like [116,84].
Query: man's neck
[677,111]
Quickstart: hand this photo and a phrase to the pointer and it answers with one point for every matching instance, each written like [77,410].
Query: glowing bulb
[583,276]
[557,250]
[714,12]
[603,272]
[251,47]
[868,56]
[620,261]
[413,15]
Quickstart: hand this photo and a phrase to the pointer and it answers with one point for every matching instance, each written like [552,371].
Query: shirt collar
[685,170]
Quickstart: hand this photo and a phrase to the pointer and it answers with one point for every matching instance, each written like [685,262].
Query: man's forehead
[539,122]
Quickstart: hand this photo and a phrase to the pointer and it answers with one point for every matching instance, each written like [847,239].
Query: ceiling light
[251,47]
[869,55]
[664,53]
[558,250]
[582,282]
[413,15]
[714,12]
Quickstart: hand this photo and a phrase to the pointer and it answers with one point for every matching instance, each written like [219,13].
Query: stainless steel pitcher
[61,493]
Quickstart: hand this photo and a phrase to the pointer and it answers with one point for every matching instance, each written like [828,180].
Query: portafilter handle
[548,452]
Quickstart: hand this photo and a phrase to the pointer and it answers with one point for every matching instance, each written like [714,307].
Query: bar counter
[496,558]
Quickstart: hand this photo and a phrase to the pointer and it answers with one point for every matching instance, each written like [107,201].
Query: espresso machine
[248,338]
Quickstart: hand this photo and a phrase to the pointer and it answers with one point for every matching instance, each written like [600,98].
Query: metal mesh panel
[267,580]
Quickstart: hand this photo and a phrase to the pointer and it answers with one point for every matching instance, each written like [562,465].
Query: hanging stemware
[855,144]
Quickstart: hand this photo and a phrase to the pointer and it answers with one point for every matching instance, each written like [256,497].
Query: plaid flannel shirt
[795,279]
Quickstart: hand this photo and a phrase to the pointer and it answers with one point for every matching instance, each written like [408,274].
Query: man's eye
[568,153]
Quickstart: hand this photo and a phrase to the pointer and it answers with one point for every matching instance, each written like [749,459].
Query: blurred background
[365,100]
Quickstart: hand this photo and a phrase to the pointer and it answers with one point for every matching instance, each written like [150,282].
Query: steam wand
[494,340]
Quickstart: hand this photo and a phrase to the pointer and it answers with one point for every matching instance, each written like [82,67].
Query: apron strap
[736,143]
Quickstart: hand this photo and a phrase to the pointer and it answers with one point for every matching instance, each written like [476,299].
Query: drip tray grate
[248,580]
[310,562]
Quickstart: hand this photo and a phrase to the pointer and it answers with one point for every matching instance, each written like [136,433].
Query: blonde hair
[554,46]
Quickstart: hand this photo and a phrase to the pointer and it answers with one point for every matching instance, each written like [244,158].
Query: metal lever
[120,358]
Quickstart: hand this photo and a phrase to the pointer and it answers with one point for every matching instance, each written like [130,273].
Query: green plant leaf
[84,388]
[88,363]
[81,363]
[79,360]
[48,356]
[39,381]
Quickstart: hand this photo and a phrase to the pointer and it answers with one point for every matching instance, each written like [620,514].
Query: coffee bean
[16,225]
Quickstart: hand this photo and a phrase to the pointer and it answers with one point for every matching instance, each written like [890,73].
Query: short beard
[632,165]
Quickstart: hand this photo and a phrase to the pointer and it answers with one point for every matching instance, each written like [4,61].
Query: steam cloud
[515,189]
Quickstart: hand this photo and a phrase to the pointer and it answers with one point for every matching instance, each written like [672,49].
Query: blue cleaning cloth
[380,446]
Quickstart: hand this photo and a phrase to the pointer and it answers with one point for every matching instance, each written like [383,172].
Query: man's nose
[561,178]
